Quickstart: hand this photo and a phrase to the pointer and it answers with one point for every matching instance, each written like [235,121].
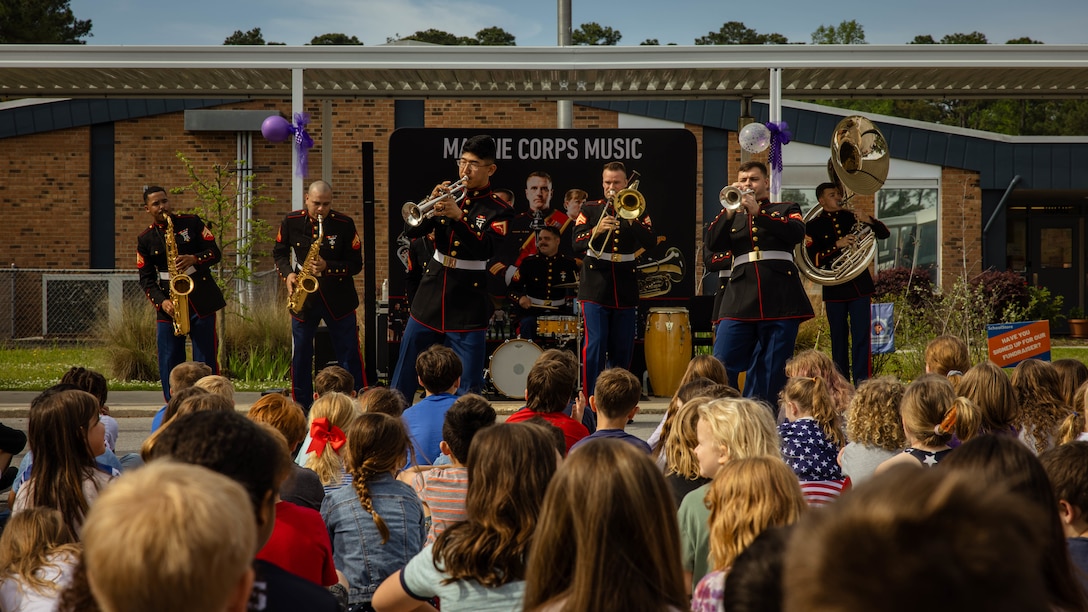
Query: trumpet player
[608,287]
[452,306]
[339,259]
[197,253]
[829,235]
[764,301]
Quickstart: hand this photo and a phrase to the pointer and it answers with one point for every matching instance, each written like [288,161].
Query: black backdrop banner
[420,158]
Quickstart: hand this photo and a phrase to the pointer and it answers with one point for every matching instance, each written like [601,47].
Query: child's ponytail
[1071,427]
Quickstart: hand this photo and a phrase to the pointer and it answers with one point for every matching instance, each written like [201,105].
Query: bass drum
[509,366]
[668,348]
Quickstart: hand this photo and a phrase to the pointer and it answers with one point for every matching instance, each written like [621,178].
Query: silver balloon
[754,138]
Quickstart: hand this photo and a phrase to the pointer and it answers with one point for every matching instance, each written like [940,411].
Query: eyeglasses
[474,165]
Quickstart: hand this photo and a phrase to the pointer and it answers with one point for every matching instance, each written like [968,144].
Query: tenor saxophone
[180,283]
[305,281]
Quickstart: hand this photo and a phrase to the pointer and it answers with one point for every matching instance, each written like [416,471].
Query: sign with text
[1011,343]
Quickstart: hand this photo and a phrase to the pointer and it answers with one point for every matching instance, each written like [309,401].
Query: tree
[594,34]
[435,37]
[846,33]
[252,37]
[335,38]
[649,42]
[736,33]
[959,38]
[922,39]
[495,37]
[41,22]
[1024,40]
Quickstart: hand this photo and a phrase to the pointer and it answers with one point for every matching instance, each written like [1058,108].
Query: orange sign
[1011,343]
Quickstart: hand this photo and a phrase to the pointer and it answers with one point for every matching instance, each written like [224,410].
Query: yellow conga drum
[668,348]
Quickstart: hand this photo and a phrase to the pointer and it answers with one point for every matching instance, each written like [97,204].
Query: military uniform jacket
[715,263]
[419,252]
[770,288]
[537,278]
[821,234]
[520,243]
[452,298]
[192,238]
[608,280]
[340,248]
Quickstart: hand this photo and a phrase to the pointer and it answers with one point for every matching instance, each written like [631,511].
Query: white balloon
[754,138]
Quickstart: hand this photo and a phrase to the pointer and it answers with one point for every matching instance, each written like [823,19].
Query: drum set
[510,363]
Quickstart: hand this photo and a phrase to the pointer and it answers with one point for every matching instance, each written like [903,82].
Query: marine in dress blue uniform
[848,305]
[339,259]
[452,305]
[197,253]
[764,301]
[608,287]
[541,286]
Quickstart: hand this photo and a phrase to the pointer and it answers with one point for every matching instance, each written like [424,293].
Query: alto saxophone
[305,281]
[180,283]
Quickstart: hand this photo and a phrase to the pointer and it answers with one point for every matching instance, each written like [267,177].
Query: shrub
[131,342]
[914,285]
[1005,291]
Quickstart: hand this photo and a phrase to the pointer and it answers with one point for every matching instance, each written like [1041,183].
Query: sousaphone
[858,165]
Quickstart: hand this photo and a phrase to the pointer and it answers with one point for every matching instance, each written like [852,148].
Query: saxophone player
[338,260]
[828,235]
[197,252]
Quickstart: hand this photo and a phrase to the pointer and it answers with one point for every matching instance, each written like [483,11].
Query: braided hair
[377,444]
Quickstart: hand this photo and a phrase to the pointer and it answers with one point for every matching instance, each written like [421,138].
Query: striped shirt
[443,491]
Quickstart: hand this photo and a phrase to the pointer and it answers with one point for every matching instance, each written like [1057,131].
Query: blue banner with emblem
[882,328]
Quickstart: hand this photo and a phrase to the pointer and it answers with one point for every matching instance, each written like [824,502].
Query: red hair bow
[321,433]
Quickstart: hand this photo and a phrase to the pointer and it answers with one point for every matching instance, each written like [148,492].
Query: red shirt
[300,544]
[573,431]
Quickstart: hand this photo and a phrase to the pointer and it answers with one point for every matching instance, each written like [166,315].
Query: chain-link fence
[39,303]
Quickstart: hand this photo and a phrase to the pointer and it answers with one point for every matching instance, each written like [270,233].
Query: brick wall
[45,199]
[961,225]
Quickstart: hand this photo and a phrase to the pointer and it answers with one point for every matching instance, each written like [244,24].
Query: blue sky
[208,22]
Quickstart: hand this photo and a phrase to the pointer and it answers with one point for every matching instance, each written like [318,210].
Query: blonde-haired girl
[728,429]
[322,450]
[746,497]
[38,553]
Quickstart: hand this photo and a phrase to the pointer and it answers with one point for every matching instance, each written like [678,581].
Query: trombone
[414,214]
[627,204]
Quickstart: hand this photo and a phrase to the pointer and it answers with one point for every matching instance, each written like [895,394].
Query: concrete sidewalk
[124,404]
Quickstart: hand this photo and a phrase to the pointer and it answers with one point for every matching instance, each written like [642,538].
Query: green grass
[35,369]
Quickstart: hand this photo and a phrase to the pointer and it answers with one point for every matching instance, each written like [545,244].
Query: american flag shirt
[808,452]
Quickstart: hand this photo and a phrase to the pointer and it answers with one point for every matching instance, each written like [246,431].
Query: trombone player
[609,237]
[829,235]
[764,301]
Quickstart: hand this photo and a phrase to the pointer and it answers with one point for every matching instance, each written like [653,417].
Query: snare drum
[510,364]
[557,327]
[668,348]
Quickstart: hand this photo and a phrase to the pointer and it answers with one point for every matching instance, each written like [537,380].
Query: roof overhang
[549,73]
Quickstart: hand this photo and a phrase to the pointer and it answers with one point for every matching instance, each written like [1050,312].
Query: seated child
[442,489]
[183,376]
[873,428]
[548,389]
[615,400]
[931,414]
[439,371]
[812,437]
[37,555]
[1067,468]
[199,521]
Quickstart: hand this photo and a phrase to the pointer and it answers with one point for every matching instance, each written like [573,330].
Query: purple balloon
[275,128]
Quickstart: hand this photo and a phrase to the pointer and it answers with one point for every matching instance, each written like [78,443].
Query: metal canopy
[578,73]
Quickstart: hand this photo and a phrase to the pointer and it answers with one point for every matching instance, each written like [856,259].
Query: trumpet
[731,196]
[414,214]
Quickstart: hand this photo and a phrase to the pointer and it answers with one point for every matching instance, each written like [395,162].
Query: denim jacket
[357,547]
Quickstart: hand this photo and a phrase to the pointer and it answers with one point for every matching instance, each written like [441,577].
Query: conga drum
[668,348]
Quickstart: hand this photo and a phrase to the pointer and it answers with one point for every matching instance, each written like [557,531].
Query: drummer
[543,284]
